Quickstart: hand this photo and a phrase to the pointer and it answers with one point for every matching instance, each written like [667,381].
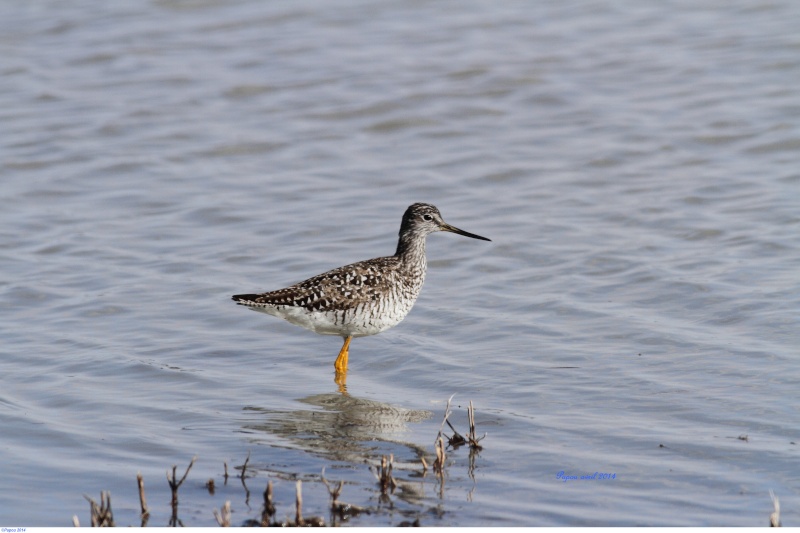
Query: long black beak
[453,229]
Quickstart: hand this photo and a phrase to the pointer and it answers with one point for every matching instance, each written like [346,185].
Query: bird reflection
[342,427]
[340,378]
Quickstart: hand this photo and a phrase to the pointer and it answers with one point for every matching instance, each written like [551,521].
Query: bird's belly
[359,321]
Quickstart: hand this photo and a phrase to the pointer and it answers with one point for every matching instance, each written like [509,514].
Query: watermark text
[563,476]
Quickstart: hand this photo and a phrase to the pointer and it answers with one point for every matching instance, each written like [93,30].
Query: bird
[363,298]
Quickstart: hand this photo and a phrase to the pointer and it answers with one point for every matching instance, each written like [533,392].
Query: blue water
[636,313]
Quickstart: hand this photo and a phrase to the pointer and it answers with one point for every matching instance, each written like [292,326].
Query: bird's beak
[453,229]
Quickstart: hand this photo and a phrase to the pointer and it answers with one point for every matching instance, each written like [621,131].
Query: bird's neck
[411,251]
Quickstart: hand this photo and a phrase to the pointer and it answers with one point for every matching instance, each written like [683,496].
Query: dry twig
[472,437]
[447,413]
[269,507]
[101,515]
[384,475]
[145,513]
[224,515]
[242,478]
[334,492]
[142,499]
[174,485]
[775,517]
[244,466]
[300,520]
[343,510]
[438,464]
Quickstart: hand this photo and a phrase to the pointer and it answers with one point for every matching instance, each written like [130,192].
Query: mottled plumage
[363,298]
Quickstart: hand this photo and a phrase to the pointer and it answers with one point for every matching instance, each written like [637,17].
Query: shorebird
[364,298]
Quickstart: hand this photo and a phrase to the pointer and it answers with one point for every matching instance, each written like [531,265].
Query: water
[637,313]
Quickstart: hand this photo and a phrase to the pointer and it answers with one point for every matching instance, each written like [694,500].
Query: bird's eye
[427,217]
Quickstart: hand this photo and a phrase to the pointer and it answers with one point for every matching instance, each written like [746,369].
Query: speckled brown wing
[338,289]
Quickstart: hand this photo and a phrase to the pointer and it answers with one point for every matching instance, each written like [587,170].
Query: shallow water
[636,314]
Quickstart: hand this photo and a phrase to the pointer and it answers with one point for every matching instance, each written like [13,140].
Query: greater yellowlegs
[364,298]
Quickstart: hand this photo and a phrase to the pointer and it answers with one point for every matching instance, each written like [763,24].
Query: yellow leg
[341,380]
[341,362]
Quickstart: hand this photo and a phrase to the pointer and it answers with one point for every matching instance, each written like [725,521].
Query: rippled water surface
[636,313]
